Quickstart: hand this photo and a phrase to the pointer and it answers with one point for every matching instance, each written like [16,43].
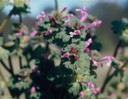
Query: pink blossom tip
[33,89]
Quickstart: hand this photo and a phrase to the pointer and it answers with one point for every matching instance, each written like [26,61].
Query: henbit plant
[64,53]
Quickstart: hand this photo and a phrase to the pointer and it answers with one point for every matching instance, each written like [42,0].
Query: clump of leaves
[120,27]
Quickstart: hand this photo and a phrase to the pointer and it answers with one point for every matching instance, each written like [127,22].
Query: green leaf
[74,89]
[124,36]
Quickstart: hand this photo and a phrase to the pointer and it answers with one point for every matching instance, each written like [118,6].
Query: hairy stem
[110,69]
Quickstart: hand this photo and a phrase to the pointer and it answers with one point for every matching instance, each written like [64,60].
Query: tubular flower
[21,32]
[87,43]
[66,55]
[91,86]
[68,18]
[32,35]
[76,32]
[83,14]
[48,32]
[83,93]
[107,60]
[96,24]
[41,17]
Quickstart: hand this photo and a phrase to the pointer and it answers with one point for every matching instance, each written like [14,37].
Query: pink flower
[68,18]
[65,8]
[48,32]
[87,50]
[107,60]
[76,58]
[32,34]
[95,90]
[21,32]
[87,43]
[72,49]
[90,84]
[76,32]
[53,23]
[82,27]
[96,63]
[81,94]
[96,24]
[50,17]
[67,23]
[66,55]
[41,17]
[33,89]
[83,14]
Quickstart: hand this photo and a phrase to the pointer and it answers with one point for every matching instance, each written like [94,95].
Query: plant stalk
[56,6]
[10,64]
[5,66]
[5,21]
[20,58]
[113,74]
[110,69]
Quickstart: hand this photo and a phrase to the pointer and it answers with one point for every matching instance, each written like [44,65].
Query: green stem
[56,6]
[27,60]
[20,62]
[113,74]
[5,66]
[20,58]
[20,19]
[10,64]
[110,69]
[5,21]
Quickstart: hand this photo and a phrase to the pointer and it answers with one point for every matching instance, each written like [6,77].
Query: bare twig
[110,69]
